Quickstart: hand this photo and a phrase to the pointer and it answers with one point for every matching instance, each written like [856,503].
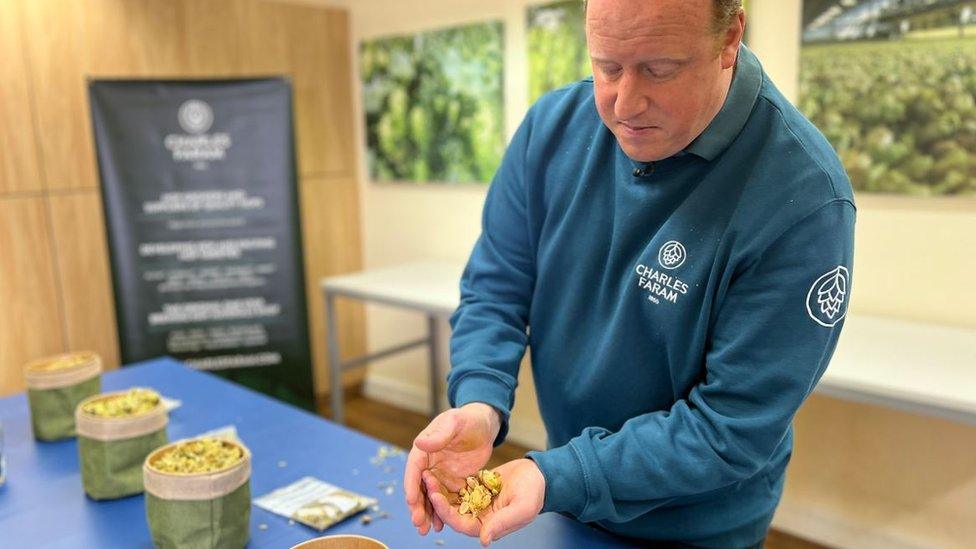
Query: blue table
[43,504]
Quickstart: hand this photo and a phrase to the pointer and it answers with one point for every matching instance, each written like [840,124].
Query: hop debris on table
[204,455]
[478,492]
[132,402]
[385,452]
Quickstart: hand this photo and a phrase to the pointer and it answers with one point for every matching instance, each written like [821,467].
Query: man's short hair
[724,10]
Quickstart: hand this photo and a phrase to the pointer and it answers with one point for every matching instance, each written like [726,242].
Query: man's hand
[517,504]
[457,443]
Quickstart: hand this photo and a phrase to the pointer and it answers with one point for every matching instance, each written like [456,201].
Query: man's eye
[610,70]
[663,71]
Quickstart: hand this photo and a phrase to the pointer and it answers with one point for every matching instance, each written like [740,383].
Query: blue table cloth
[43,504]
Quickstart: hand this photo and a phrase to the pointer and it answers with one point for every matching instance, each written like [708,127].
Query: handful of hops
[203,455]
[132,402]
[479,492]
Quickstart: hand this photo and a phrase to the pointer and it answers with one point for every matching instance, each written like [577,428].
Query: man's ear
[731,40]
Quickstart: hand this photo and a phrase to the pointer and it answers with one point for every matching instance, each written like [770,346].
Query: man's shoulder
[795,146]
[569,106]
[576,92]
[787,170]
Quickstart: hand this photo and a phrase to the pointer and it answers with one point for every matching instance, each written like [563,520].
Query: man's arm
[487,344]
[489,327]
[765,354]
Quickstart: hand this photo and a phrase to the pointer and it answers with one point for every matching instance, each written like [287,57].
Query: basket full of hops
[55,386]
[198,494]
[116,431]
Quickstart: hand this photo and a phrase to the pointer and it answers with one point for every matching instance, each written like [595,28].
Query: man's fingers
[423,513]
[438,434]
[412,489]
[504,521]
[416,463]
[432,485]
[435,518]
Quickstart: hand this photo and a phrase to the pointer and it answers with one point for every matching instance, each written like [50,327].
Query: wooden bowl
[341,542]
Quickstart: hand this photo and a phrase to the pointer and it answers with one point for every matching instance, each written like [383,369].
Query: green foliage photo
[557,46]
[901,113]
[434,105]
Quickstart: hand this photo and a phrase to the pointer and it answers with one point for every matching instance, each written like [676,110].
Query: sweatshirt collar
[732,117]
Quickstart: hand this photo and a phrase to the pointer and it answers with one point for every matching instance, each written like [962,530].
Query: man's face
[660,72]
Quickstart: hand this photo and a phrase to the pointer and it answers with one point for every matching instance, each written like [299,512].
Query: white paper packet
[314,502]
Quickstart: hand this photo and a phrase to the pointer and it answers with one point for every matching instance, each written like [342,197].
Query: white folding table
[431,288]
[910,366]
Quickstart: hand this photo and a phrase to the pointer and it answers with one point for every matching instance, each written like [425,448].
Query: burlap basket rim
[195,486]
[118,428]
[62,377]
[312,542]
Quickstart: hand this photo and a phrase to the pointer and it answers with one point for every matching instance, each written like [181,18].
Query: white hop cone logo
[672,255]
[827,296]
[830,294]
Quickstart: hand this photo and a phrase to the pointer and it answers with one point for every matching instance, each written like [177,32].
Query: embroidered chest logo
[659,285]
[672,255]
[827,298]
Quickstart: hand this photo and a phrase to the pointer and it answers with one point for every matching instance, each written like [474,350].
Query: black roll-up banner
[201,208]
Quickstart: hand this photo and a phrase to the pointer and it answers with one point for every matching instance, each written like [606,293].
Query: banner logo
[195,116]
[196,146]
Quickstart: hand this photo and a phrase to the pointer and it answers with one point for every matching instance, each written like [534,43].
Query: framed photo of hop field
[200,196]
[433,105]
[892,85]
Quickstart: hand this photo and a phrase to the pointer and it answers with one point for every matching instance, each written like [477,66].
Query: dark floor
[399,427]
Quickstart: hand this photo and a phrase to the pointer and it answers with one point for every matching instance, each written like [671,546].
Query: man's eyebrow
[675,60]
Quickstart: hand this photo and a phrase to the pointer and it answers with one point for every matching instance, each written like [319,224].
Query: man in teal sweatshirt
[673,240]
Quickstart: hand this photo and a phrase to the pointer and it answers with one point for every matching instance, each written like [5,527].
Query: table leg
[335,366]
[435,367]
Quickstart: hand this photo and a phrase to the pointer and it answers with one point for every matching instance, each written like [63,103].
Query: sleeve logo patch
[827,298]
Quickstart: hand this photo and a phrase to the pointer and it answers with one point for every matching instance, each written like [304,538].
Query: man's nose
[631,101]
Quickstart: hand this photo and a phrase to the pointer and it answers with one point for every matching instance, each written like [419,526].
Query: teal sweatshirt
[678,312]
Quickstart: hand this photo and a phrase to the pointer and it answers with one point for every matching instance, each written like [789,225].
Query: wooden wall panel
[266,39]
[31,324]
[58,48]
[84,275]
[310,45]
[18,152]
[213,31]
[69,42]
[135,38]
[330,235]
[340,150]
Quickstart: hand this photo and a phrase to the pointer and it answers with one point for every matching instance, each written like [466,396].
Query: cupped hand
[516,505]
[457,443]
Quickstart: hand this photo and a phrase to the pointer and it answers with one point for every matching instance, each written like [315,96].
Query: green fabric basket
[113,469]
[222,522]
[200,510]
[53,410]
